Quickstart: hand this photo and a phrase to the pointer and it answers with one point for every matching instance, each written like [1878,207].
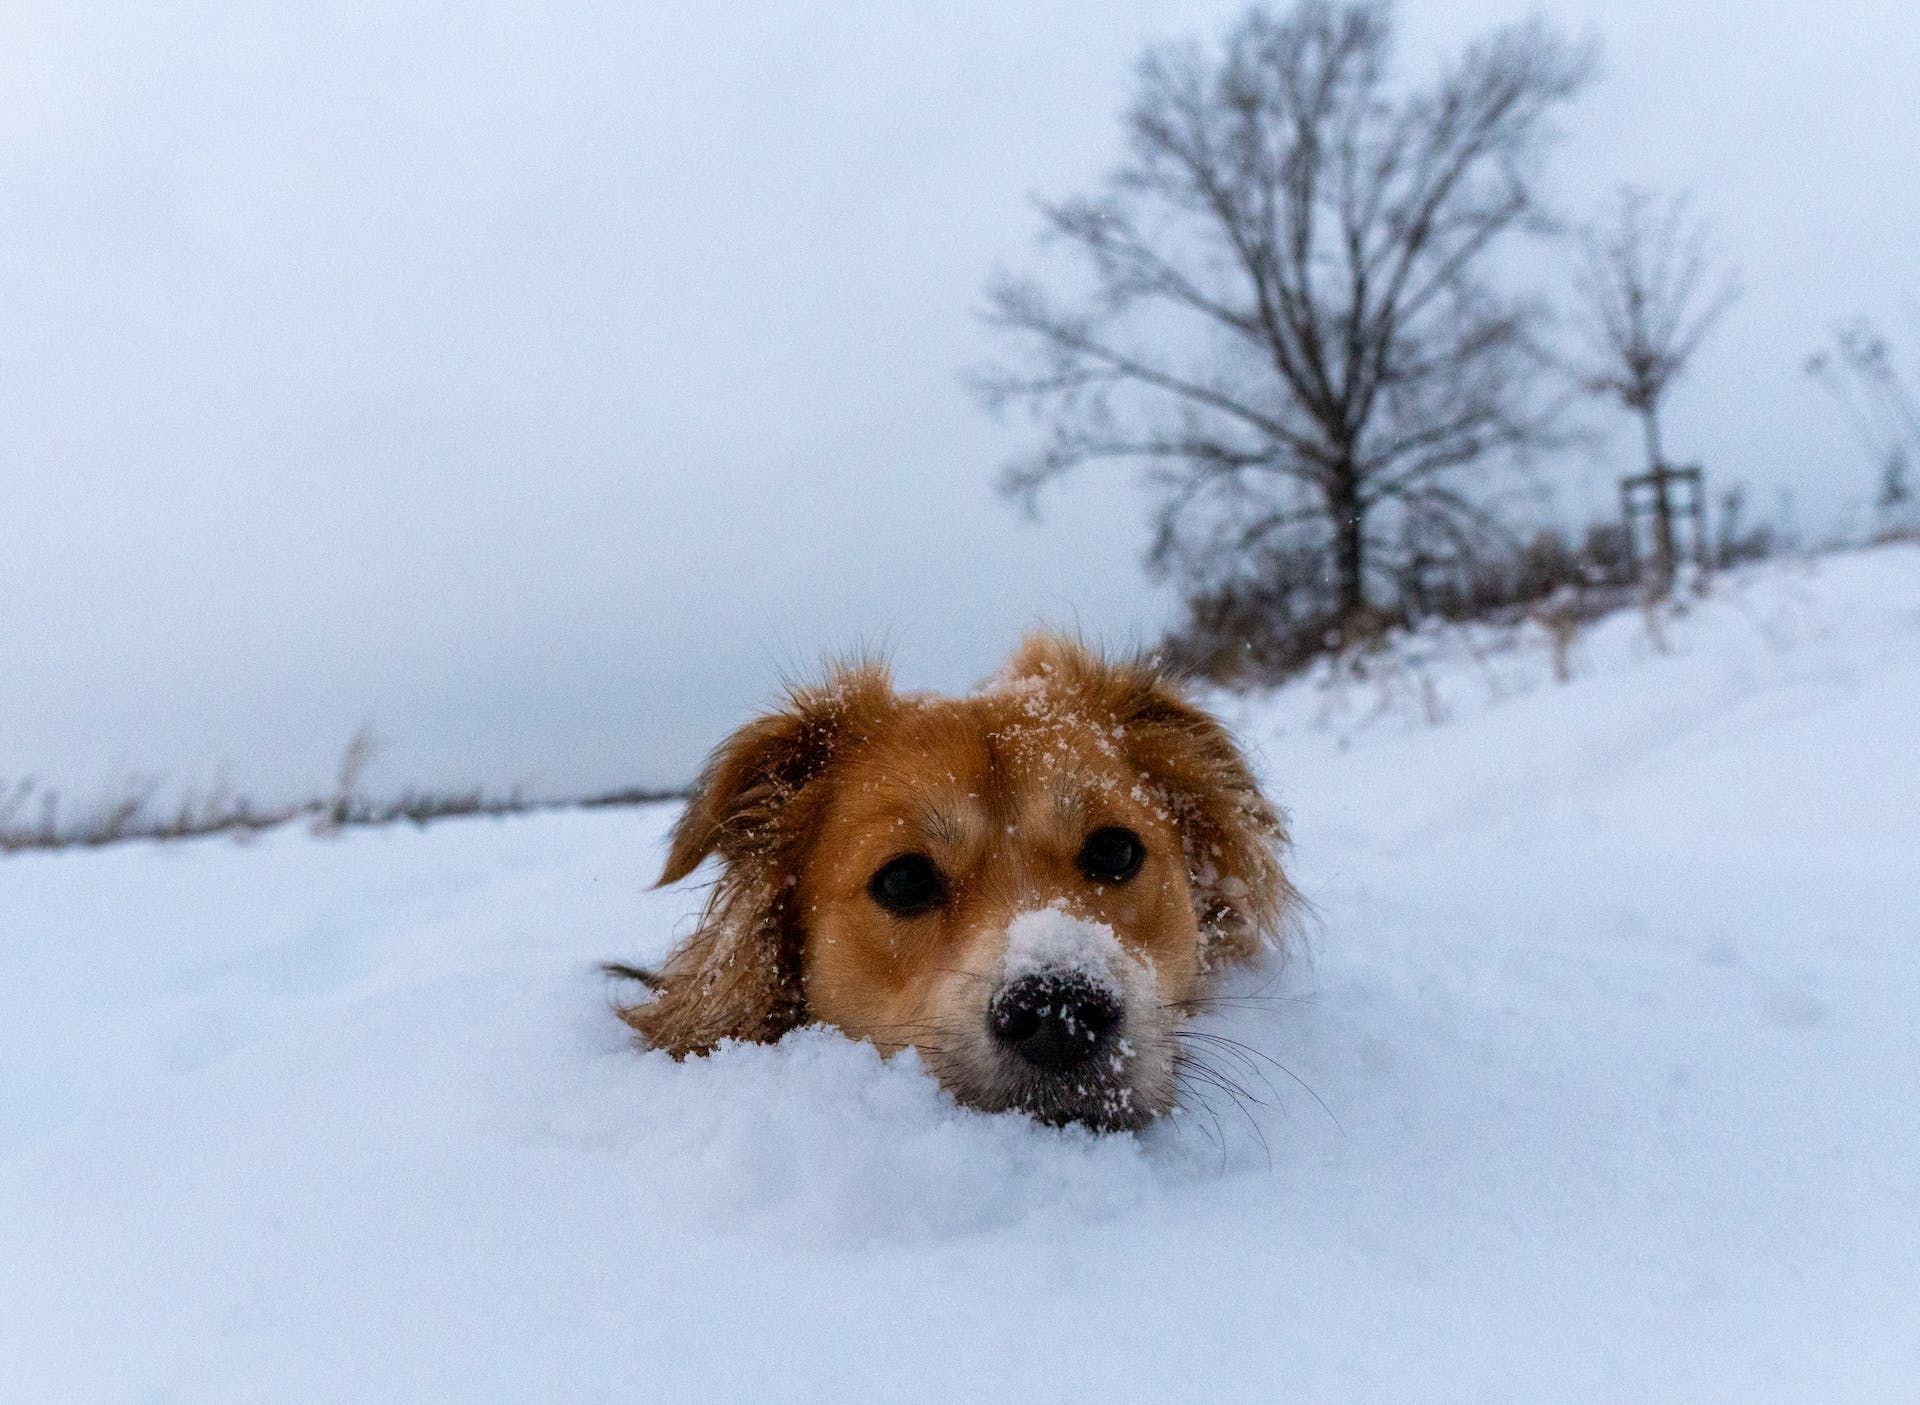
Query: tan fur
[801,807]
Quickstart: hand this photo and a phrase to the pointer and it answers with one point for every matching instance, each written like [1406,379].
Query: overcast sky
[541,380]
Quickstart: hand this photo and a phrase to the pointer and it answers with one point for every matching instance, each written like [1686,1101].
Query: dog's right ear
[754,808]
[739,805]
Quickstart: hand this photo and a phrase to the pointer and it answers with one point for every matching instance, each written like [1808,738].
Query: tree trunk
[1349,547]
[1664,556]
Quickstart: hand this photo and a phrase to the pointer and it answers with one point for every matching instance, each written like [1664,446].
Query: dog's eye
[907,886]
[1112,855]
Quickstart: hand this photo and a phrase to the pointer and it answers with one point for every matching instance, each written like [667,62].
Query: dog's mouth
[1110,1098]
[1102,1100]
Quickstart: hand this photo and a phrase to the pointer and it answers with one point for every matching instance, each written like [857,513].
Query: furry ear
[738,976]
[1232,835]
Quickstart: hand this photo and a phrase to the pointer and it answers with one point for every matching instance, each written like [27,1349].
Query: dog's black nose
[1053,1019]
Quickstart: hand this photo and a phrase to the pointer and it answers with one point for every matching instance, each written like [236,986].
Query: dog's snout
[1054,1020]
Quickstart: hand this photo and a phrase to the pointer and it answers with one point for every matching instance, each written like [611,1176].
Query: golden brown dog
[1028,885]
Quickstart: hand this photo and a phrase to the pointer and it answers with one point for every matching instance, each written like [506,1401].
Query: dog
[1030,885]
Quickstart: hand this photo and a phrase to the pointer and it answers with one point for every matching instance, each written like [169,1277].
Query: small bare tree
[1291,320]
[1883,410]
[342,807]
[1650,291]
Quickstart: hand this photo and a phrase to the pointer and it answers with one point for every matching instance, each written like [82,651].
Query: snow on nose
[1052,941]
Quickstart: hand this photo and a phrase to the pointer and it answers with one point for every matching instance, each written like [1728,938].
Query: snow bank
[1610,999]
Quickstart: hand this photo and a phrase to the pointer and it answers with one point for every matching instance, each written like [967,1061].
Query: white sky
[540,380]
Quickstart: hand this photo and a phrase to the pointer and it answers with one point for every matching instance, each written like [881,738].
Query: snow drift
[1608,1013]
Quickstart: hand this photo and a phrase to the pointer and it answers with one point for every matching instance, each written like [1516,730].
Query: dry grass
[35,817]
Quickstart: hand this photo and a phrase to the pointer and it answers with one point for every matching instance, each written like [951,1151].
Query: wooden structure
[1665,497]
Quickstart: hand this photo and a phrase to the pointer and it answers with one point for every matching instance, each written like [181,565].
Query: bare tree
[1650,292]
[1883,410]
[343,807]
[1291,320]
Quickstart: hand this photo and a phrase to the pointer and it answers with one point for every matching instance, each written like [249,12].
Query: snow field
[1610,996]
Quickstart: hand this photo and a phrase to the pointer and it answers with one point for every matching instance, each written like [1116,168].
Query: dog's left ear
[738,976]
[1232,835]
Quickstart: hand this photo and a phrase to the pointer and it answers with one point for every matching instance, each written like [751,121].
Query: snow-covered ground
[1612,997]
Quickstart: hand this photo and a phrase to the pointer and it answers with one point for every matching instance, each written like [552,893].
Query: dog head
[1027,885]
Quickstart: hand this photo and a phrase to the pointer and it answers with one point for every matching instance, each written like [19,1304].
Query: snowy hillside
[1612,997]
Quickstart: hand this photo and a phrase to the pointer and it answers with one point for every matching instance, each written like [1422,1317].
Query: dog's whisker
[965,975]
[1190,1094]
[1206,1004]
[1242,1058]
[906,1026]
[1247,1051]
[1198,1072]
[1238,1096]
[1245,1055]
[1230,1086]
